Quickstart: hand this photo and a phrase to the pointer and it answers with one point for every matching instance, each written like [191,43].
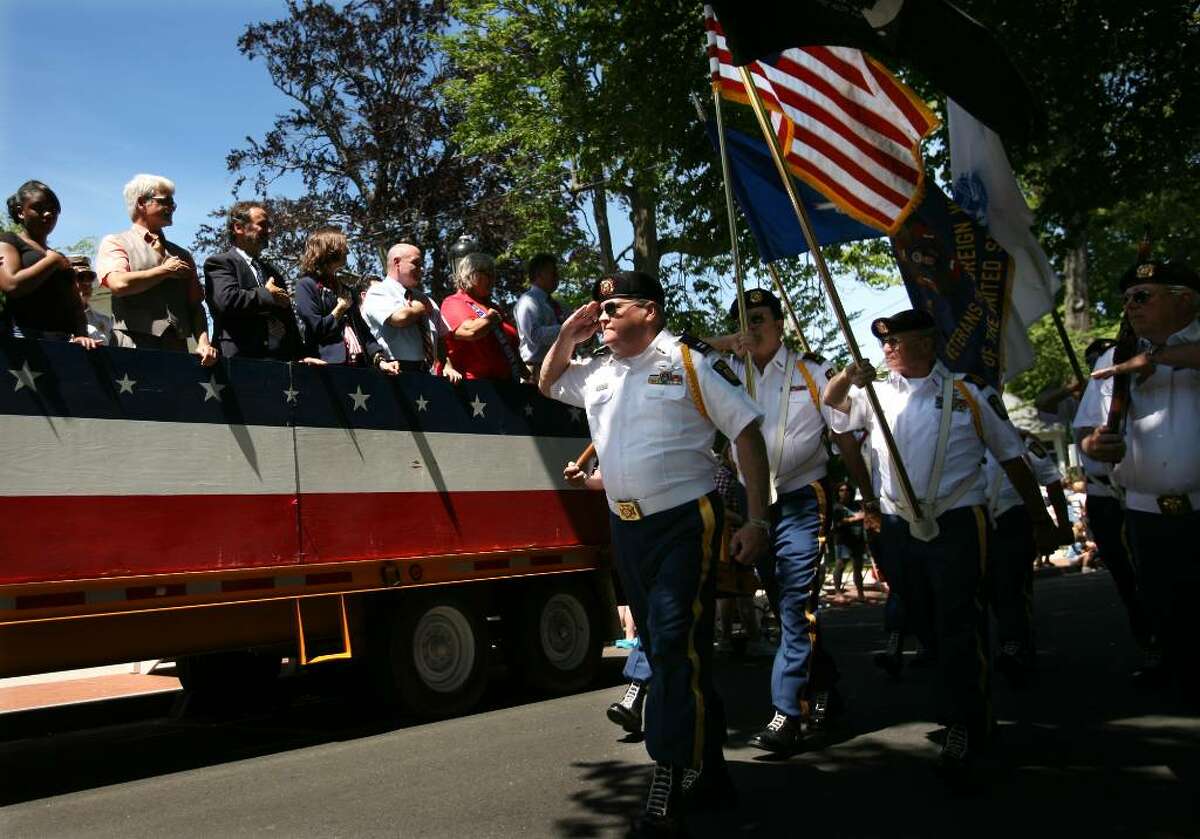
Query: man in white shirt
[654,403]
[538,314]
[403,318]
[934,555]
[1152,442]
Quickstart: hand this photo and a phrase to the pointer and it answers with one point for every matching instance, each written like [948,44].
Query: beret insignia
[606,287]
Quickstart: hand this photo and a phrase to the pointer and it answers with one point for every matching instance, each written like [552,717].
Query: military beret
[634,284]
[1160,273]
[910,320]
[758,297]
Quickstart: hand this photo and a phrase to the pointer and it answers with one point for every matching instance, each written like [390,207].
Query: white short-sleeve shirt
[1002,495]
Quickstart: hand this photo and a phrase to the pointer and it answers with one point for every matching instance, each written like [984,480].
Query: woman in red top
[482,343]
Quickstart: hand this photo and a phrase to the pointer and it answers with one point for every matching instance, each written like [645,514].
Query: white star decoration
[359,398]
[212,389]
[25,377]
[477,407]
[290,395]
[576,415]
[125,384]
[422,403]
[528,410]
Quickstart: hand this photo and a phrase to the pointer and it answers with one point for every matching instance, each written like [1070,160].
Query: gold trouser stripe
[693,383]
[710,525]
[810,611]
[981,528]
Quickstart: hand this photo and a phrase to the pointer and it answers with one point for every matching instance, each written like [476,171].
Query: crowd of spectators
[240,304]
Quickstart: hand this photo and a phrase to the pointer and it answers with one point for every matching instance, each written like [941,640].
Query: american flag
[848,128]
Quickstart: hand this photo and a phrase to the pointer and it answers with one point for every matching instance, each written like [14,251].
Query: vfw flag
[984,186]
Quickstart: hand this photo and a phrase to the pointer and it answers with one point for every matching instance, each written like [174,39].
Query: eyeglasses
[1140,297]
[614,308]
[756,320]
[163,201]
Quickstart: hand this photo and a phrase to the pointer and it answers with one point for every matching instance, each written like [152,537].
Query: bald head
[404,262]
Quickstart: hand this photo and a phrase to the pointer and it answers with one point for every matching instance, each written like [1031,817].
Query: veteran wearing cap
[942,423]
[1155,449]
[99,325]
[654,402]
[787,389]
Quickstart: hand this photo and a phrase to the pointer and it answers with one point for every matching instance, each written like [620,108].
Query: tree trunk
[1075,286]
[643,213]
[600,216]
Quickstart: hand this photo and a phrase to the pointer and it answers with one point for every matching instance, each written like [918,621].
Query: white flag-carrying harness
[984,186]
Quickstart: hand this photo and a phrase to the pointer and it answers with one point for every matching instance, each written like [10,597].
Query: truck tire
[228,674]
[558,641]
[433,659]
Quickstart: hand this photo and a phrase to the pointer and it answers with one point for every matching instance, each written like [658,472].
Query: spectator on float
[403,317]
[157,300]
[328,306]
[37,281]
[482,344]
[251,309]
[538,315]
[99,325]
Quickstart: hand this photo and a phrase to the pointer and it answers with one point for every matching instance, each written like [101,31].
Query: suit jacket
[323,334]
[241,309]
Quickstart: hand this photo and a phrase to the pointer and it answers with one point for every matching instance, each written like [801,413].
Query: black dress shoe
[783,735]
[709,788]
[663,815]
[826,706]
[891,660]
[627,713]
[956,758]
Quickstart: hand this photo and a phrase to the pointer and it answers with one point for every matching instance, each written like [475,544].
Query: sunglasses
[613,308]
[1140,297]
[162,201]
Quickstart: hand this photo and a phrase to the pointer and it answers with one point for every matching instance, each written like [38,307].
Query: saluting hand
[582,323]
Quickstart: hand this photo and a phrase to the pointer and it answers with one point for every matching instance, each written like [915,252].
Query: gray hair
[143,186]
[1192,295]
[468,265]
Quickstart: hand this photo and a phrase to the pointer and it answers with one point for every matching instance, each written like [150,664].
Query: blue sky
[121,87]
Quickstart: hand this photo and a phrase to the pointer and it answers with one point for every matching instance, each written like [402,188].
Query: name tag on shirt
[665,377]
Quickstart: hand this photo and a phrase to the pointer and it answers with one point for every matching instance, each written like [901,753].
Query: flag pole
[743,324]
[1066,342]
[783,295]
[910,496]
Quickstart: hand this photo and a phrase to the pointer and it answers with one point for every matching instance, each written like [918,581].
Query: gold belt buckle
[1174,505]
[629,510]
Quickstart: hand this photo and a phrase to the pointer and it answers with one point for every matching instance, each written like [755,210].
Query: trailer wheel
[558,637]
[434,660]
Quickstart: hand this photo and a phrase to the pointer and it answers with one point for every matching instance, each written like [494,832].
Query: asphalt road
[1081,753]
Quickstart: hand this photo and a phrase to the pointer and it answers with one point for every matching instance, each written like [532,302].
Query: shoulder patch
[997,405]
[698,345]
[1037,448]
[726,372]
[828,373]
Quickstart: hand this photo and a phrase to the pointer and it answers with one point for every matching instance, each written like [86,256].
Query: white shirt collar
[1190,334]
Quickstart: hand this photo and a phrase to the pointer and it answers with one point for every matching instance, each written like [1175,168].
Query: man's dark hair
[240,213]
[540,263]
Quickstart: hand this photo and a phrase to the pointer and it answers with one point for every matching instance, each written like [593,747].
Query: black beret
[910,320]
[758,297]
[635,284]
[1160,273]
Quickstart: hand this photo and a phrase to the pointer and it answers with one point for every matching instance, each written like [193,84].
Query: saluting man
[1011,555]
[1156,454]
[654,402]
[942,423]
[788,389]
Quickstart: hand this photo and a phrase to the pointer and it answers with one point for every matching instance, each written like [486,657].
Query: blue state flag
[766,206]
[953,269]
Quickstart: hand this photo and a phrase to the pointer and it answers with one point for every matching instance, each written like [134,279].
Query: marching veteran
[654,403]
[934,557]
[788,391]
[1155,449]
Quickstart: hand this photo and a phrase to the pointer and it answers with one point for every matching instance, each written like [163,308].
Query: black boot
[956,758]
[627,713]
[663,815]
[783,735]
[826,705]
[709,788]
[891,660]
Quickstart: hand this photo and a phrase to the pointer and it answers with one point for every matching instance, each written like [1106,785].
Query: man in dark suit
[252,312]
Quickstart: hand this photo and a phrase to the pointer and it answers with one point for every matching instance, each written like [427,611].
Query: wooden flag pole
[839,311]
[1066,342]
[743,325]
[783,295]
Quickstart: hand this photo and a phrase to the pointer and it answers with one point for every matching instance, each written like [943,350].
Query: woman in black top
[333,327]
[38,283]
